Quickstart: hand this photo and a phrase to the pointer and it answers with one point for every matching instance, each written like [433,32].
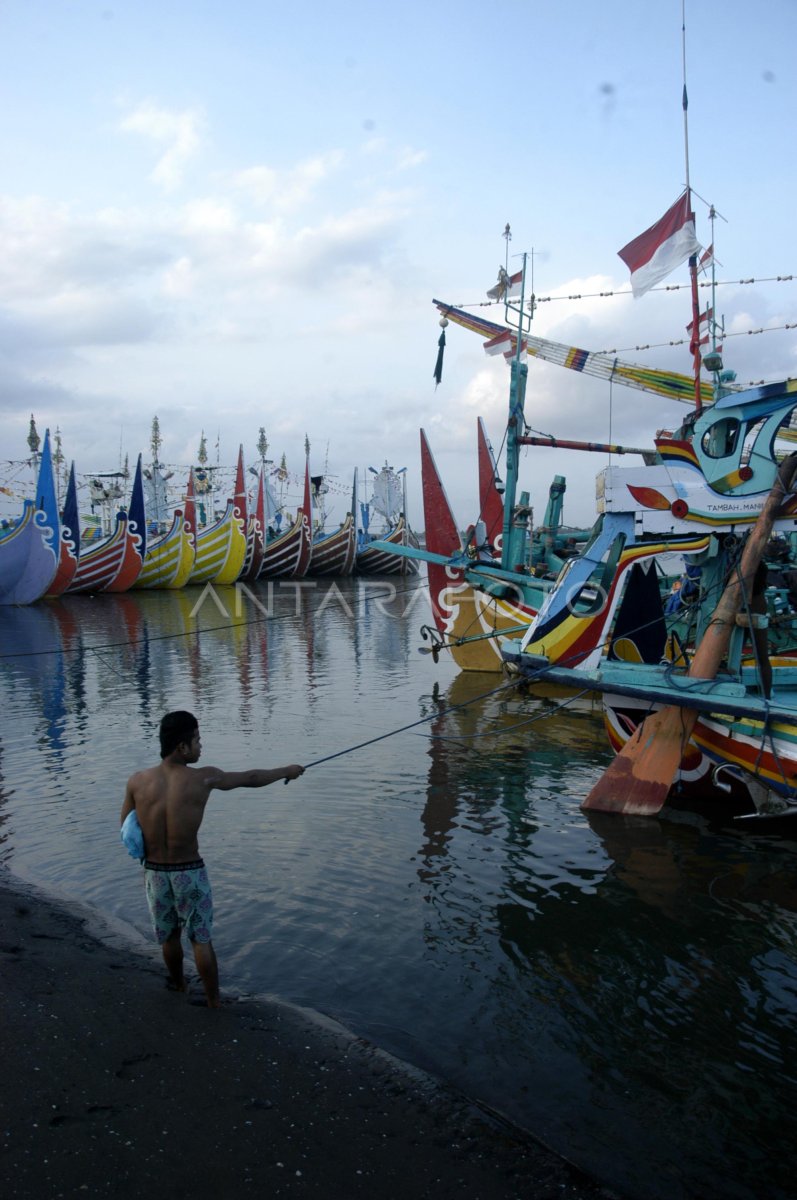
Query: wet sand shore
[111,1085]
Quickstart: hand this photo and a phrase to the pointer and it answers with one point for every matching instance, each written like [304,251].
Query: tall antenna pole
[685,98]
[695,341]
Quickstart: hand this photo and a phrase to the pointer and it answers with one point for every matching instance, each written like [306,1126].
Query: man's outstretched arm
[225,781]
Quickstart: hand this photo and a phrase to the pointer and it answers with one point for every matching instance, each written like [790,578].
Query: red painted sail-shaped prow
[307,526]
[189,510]
[491,504]
[442,535]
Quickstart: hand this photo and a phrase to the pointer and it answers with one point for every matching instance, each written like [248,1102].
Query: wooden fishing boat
[471,600]
[29,551]
[390,552]
[256,534]
[333,554]
[721,730]
[477,595]
[221,548]
[115,564]
[171,551]
[169,561]
[287,555]
[717,725]
[493,582]
[378,557]
[69,547]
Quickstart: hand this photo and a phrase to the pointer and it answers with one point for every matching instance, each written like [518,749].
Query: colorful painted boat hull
[29,552]
[283,554]
[374,561]
[333,553]
[69,549]
[256,536]
[288,555]
[221,549]
[116,563]
[744,748]
[170,560]
[467,618]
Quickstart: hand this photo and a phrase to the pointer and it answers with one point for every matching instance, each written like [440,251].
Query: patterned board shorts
[179,897]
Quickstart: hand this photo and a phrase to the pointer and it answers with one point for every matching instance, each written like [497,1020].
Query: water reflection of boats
[161,639]
[607,961]
[33,638]
[489,746]
[634,995]
[666,866]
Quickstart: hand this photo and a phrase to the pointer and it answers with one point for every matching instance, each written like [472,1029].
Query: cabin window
[720,440]
[750,439]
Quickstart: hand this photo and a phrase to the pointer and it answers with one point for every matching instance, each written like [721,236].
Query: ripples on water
[624,988]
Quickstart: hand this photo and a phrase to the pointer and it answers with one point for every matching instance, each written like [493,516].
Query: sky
[234,215]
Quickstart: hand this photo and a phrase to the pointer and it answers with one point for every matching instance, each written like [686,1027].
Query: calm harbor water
[625,989]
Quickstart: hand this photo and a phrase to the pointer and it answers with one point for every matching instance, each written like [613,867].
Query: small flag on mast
[707,316]
[500,344]
[661,248]
[706,260]
[509,287]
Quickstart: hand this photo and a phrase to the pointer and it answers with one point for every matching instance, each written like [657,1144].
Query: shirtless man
[169,801]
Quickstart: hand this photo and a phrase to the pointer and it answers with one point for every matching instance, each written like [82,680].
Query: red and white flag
[508,287]
[501,344]
[660,249]
[510,354]
[506,344]
[706,316]
[706,260]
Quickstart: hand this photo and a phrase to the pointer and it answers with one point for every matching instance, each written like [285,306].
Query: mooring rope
[505,686]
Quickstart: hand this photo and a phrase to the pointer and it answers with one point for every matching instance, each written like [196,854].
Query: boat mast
[513,540]
[694,345]
[269,513]
[155,444]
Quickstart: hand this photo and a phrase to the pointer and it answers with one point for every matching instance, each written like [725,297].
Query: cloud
[289,188]
[178,132]
[359,237]
[408,159]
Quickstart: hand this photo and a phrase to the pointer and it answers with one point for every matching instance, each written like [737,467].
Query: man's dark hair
[176,727]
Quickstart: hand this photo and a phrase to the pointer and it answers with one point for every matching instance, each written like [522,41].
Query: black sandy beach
[111,1085]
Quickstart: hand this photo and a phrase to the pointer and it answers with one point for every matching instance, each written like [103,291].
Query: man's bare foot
[173,985]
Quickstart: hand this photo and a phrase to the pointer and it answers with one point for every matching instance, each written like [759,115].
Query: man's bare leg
[205,958]
[173,957]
